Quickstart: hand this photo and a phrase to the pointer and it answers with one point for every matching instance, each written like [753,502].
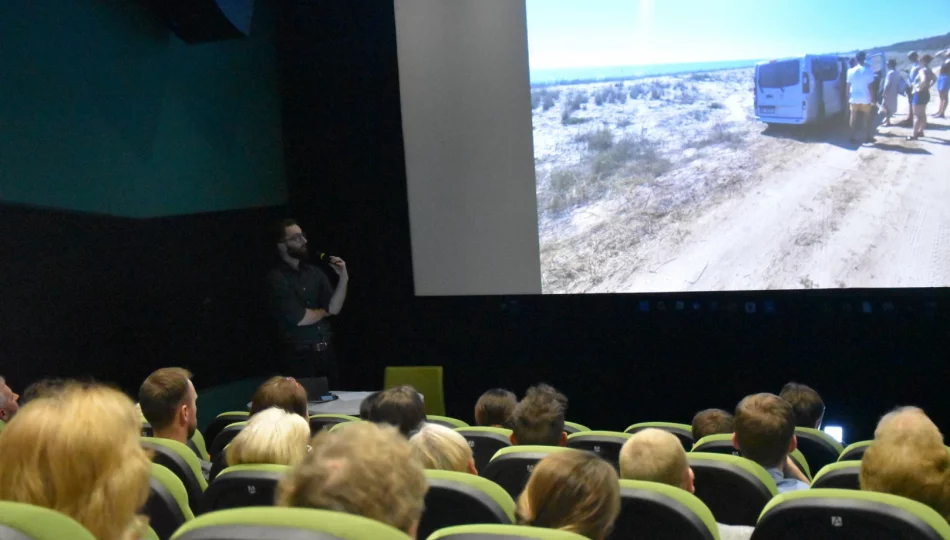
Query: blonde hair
[907,423]
[439,447]
[78,452]
[654,455]
[365,469]
[271,436]
[571,491]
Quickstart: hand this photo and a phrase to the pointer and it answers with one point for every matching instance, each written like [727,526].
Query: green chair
[511,467]
[662,512]
[181,461]
[150,534]
[222,421]
[502,532]
[319,422]
[277,523]
[243,485]
[225,436]
[574,427]
[606,444]
[427,380]
[456,498]
[848,515]
[344,424]
[818,447]
[20,521]
[840,475]
[734,488]
[721,443]
[683,432]
[167,506]
[485,442]
[198,440]
[446,421]
[855,451]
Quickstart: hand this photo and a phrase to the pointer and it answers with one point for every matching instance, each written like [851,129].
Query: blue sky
[595,33]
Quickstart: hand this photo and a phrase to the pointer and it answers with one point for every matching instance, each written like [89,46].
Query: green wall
[103,109]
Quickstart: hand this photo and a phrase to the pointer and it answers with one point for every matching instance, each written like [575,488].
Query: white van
[800,90]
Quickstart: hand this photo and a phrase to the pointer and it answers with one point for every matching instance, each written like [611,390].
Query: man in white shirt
[860,79]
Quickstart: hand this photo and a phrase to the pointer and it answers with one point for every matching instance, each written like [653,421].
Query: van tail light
[806,83]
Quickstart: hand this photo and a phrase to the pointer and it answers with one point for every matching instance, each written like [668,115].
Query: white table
[349,403]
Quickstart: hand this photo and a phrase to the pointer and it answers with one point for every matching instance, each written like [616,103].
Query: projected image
[712,145]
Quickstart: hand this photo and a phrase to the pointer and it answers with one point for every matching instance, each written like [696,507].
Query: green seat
[225,436]
[20,521]
[167,506]
[456,498]
[322,421]
[606,444]
[150,534]
[840,475]
[818,447]
[574,427]
[662,512]
[181,461]
[446,421]
[683,432]
[243,485]
[222,421]
[427,380]
[511,467]
[277,523]
[485,442]
[848,515]
[199,441]
[502,532]
[734,488]
[335,427]
[721,443]
[855,451]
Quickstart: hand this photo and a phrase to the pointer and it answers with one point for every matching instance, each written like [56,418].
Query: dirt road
[821,213]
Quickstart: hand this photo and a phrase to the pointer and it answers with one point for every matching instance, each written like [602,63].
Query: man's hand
[339,266]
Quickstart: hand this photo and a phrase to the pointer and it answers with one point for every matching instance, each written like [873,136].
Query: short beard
[301,253]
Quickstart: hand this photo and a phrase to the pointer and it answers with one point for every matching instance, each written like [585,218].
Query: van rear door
[779,92]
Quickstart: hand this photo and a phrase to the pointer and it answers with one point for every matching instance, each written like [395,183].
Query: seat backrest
[662,512]
[344,424]
[606,444]
[167,506]
[574,427]
[446,421]
[502,532]
[818,447]
[683,432]
[855,451]
[734,488]
[222,421]
[848,515]
[225,436]
[511,467]
[456,498]
[181,461]
[320,421]
[840,475]
[485,442]
[721,443]
[427,380]
[277,523]
[38,523]
[199,441]
[243,485]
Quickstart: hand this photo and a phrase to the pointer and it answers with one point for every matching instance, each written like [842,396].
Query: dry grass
[597,140]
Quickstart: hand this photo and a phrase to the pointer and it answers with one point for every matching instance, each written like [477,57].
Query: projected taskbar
[767,307]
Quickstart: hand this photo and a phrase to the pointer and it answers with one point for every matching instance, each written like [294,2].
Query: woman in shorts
[943,88]
[921,97]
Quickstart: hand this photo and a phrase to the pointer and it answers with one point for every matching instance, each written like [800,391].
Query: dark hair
[42,388]
[539,417]
[161,394]
[401,407]
[892,63]
[281,392]
[367,404]
[806,404]
[712,422]
[861,57]
[494,407]
[912,56]
[279,229]
[765,425]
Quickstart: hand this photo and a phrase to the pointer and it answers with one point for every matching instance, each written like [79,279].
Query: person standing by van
[915,65]
[860,79]
[894,84]
[922,82]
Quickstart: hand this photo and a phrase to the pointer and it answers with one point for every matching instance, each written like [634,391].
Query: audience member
[77,452]
[571,491]
[281,392]
[401,407]
[539,417]
[273,436]
[712,422]
[365,469]
[494,408]
[169,403]
[42,388]
[807,405]
[9,402]
[367,404]
[439,447]
[765,433]
[908,458]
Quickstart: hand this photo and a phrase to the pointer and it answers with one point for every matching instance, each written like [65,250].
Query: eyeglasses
[296,238]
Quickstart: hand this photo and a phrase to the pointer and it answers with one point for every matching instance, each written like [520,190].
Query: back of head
[571,491]
[162,393]
[281,392]
[861,57]
[438,447]
[539,417]
[77,452]
[367,405]
[765,425]
[907,423]
[42,388]
[365,469]
[654,455]
[494,407]
[401,407]
[272,436]
[712,422]
[806,404]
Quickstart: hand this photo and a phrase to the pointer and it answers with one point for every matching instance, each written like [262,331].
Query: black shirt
[292,292]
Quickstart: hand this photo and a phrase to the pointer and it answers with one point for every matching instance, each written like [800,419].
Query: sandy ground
[768,208]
